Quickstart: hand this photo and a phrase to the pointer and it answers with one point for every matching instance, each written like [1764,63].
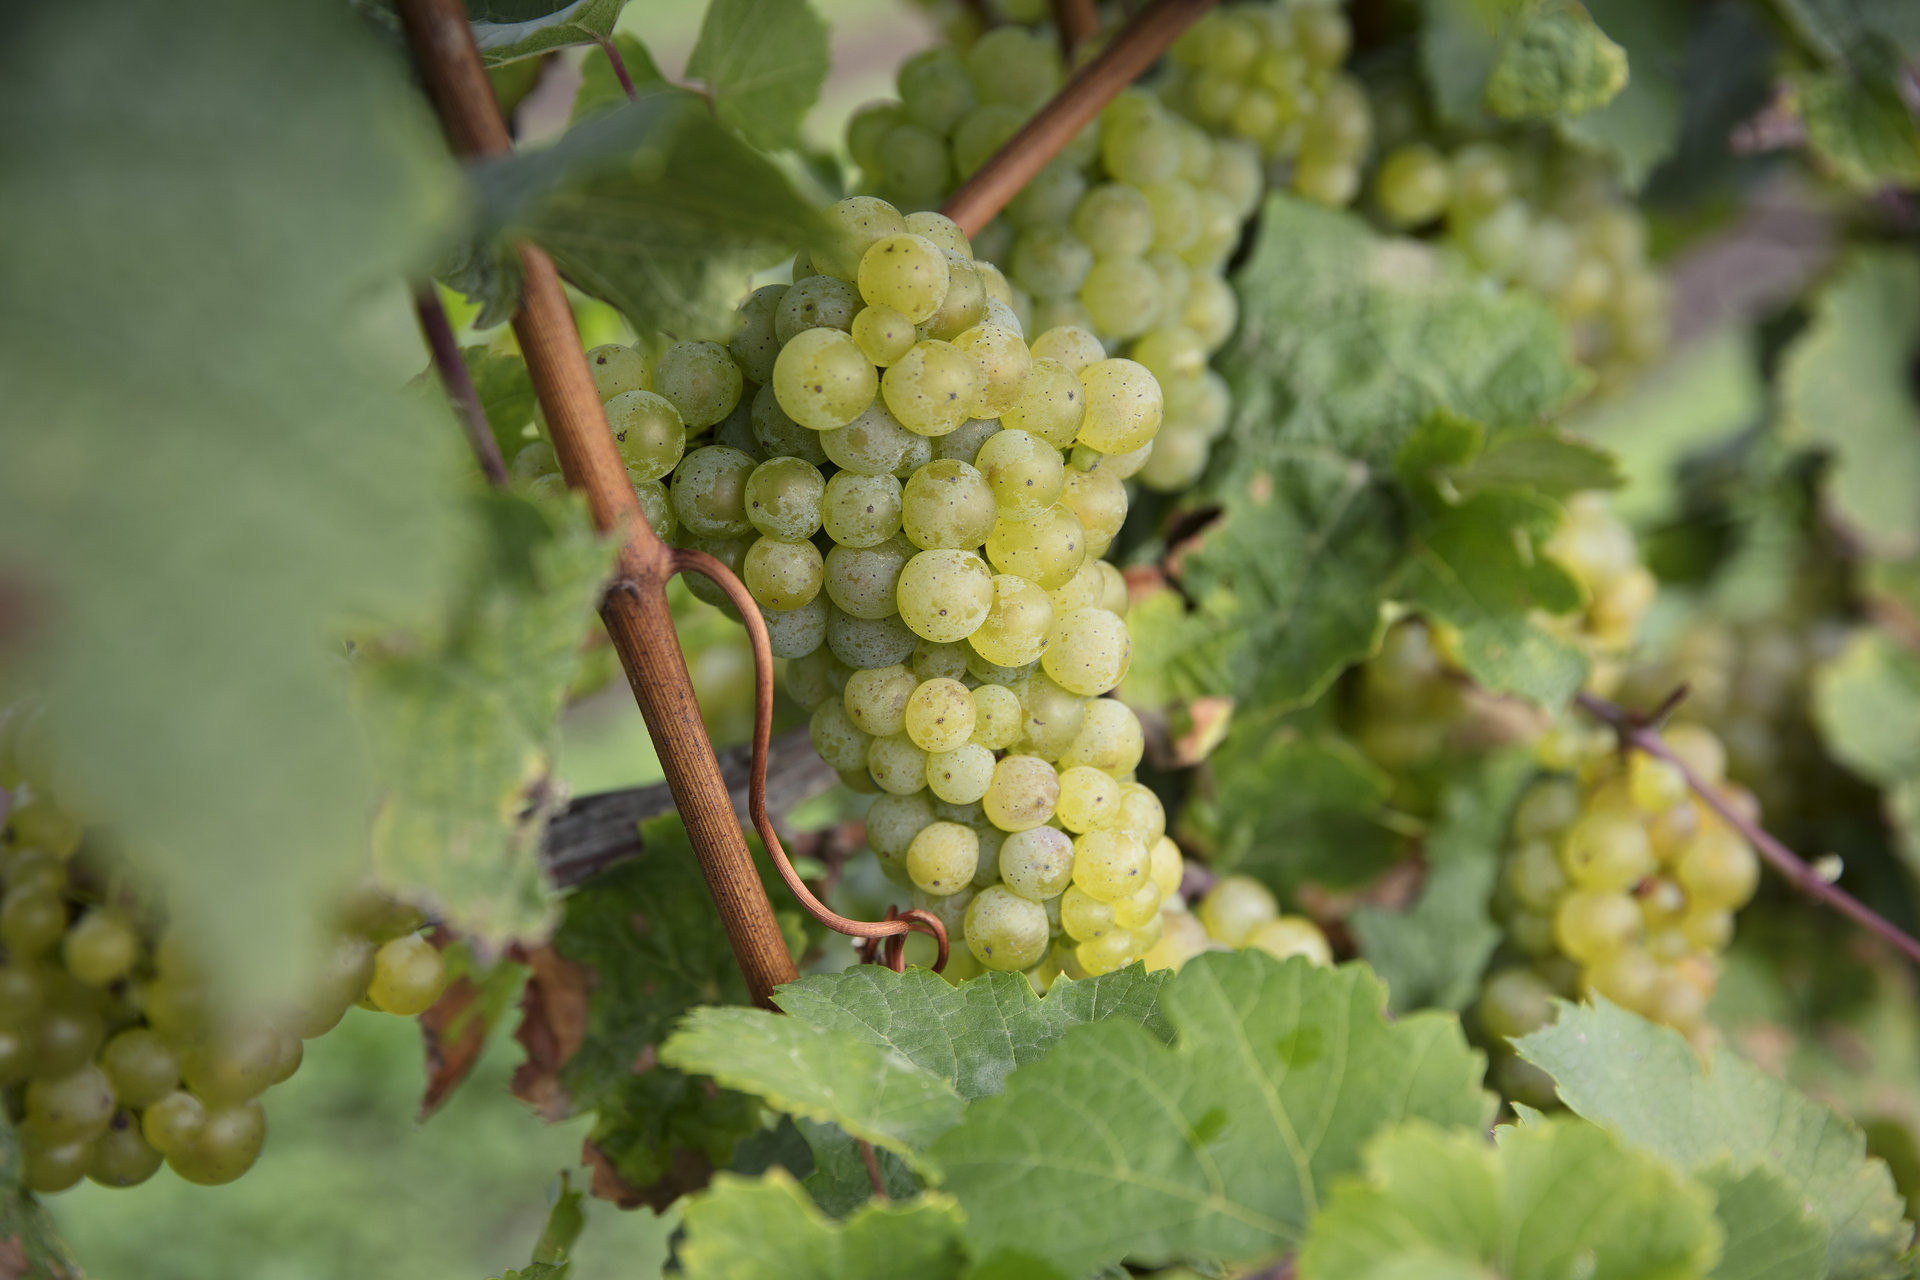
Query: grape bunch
[114,1056]
[1619,881]
[1546,221]
[1237,912]
[1600,551]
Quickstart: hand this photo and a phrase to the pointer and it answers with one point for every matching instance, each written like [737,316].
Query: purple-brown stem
[458,381]
[612,50]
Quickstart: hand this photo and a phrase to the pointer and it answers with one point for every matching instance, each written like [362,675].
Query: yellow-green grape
[1115,220]
[1413,185]
[875,444]
[1111,950]
[1535,877]
[226,1145]
[408,976]
[796,632]
[947,504]
[1075,347]
[1110,865]
[43,825]
[656,507]
[1138,143]
[933,661]
[905,272]
[1085,589]
[1049,197]
[945,595]
[1606,850]
[1235,907]
[863,582]
[35,868]
[868,642]
[1592,924]
[942,858]
[1004,362]
[1037,863]
[239,1063]
[48,1167]
[344,973]
[884,335]
[101,947]
[823,380]
[1719,869]
[817,302]
[1172,354]
[1022,794]
[1700,750]
[783,575]
[897,765]
[783,497]
[1046,550]
[1098,499]
[1006,931]
[1053,717]
[1628,976]
[942,230]
[1122,297]
[756,344]
[1211,311]
[1084,917]
[121,1157]
[1109,738]
[1708,928]
[1088,799]
[1124,405]
[1165,866]
[1183,938]
[1547,808]
[1088,652]
[1015,65]
[1024,472]
[616,369]
[70,1107]
[1017,626]
[32,920]
[1655,785]
[811,679]
[701,380]
[860,511]
[961,775]
[913,163]
[932,389]
[710,492]
[876,699]
[1116,597]
[1052,404]
[1514,1002]
[773,434]
[939,715]
[853,226]
[997,717]
[1286,936]
[893,821]
[171,1122]
[140,1067]
[1136,911]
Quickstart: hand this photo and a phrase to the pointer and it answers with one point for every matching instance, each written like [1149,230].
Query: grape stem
[1078,23]
[1638,732]
[873,1170]
[458,380]
[612,51]
[1147,35]
[637,617]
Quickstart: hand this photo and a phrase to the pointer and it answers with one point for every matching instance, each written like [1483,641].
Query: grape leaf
[601,90]
[1292,804]
[839,1182]
[31,1247]
[1866,704]
[1477,563]
[1834,28]
[1432,954]
[1767,1233]
[1550,462]
[185,597]
[1645,1084]
[1860,127]
[1554,60]
[744,1229]
[1553,1198]
[1845,387]
[818,1073]
[1220,1146]
[464,723]
[1641,127]
[971,1035]
[565,1220]
[764,62]
[510,29]
[654,207]
[506,394]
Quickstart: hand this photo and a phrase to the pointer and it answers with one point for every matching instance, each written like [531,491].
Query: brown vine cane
[895,927]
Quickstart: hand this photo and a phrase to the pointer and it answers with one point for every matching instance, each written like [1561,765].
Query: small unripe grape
[1005,931]
[47,1167]
[1098,500]
[1051,408]
[904,272]
[962,775]
[868,642]
[1628,976]
[1037,863]
[942,858]
[823,380]
[884,334]
[945,595]
[783,575]
[876,699]
[342,979]
[139,1066]
[1088,799]
[35,868]
[1046,550]
[1053,717]
[1287,936]
[1070,345]
[1110,865]
[1515,1002]
[1110,951]
[893,821]
[408,976]
[101,947]
[1535,876]
[1089,651]
[942,230]
[997,717]
[1165,866]
[70,1107]
[121,1157]
[1719,869]
[1606,850]
[861,511]
[65,1038]
[1022,795]
[1004,363]
[701,380]
[616,369]
[1017,628]
[984,131]
[234,1065]
[1050,261]
[1122,296]
[1024,472]
[1084,917]
[783,498]
[172,1122]
[32,920]
[818,302]
[1702,752]
[1235,907]
[855,224]
[939,715]
[1124,405]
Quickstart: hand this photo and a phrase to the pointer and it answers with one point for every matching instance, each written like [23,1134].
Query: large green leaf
[654,207]
[748,1229]
[1866,704]
[1646,1084]
[1553,1199]
[1432,954]
[1219,1147]
[818,1073]
[1767,1232]
[464,724]
[211,470]
[764,62]
[510,29]
[1846,387]
[973,1034]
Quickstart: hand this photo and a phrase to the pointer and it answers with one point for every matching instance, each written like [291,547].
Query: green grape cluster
[1545,221]
[1238,912]
[1619,881]
[1600,551]
[114,1054]
[1270,73]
